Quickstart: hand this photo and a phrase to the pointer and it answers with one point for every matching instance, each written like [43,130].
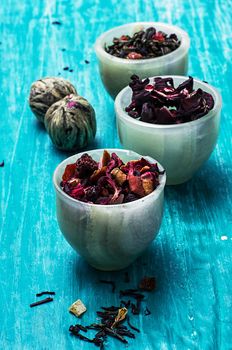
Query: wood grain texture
[191,308]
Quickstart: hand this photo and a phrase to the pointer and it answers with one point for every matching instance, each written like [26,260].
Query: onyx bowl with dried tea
[109,237]
[116,72]
[181,148]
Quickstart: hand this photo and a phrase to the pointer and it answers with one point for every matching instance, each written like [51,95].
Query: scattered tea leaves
[2,164]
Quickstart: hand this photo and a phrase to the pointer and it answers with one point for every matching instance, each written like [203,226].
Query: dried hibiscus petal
[162,103]
[136,185]
[69,172]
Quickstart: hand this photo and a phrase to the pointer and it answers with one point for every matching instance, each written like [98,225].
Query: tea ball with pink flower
[71,123]
[44,92]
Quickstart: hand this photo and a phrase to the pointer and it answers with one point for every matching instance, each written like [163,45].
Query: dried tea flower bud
[71,123]
[45,92]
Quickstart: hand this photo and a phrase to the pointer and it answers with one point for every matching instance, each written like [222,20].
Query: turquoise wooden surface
[191,257]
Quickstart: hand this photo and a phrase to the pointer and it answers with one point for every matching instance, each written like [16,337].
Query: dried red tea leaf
[144,169]
[136,185]
[105,159]
[147,284]
[98,173]
[148,185]
[119,176]
[69,172]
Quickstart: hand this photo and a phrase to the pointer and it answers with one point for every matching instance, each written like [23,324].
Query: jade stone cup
[181,148]
[109,237]
[116,72]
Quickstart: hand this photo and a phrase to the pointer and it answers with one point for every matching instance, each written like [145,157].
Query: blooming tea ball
[45,92]
[71,123]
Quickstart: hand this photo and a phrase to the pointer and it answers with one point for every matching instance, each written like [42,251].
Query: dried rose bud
[120,316]
[71,123]
[45,92]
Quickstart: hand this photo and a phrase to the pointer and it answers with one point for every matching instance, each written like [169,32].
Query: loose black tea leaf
[135,309]
[63,49]
[147,311]
[40,302]
[70,70]
[114,334]
[131,326]
[66,68]
[112,320]
[110,308]
[75,331]
[132,293]
[2,164]
[126,303]
[87,62]
[58,23]
[112,283]
[147,283]
[45,292]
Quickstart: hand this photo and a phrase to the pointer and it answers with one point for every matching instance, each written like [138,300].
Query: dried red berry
[158,36]
[134,56]
[85,165]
